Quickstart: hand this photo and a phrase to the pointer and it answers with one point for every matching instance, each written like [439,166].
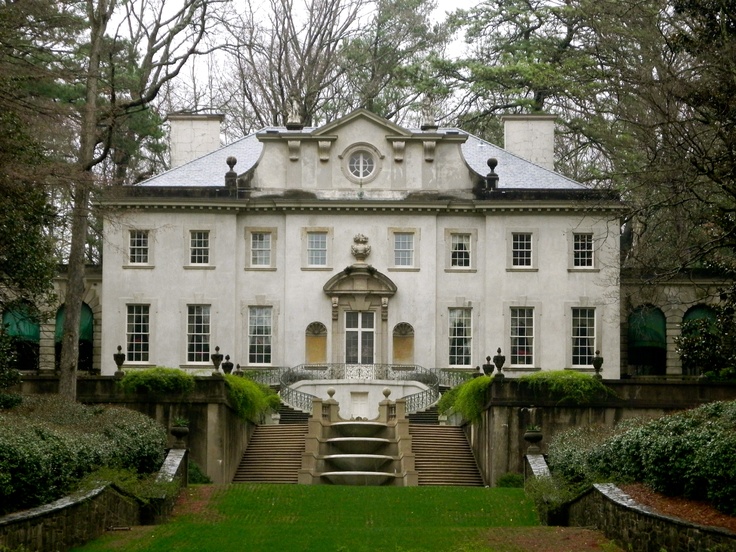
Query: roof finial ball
[231,162]
[492,177]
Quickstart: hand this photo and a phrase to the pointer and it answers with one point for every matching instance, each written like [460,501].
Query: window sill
[316,268]
[522,269]
[581,269]
[199,267]
[261,268]
[403,269]
[586,369]
[136,365]
[461,270]
[522,369]
[138,266]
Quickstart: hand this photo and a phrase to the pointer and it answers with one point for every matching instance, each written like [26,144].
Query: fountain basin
[358,478]
[358,462]
[358,445]
[358,429]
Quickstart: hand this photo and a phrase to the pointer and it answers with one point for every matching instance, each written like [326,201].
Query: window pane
[198,333]
[199,247]
[460,255]
[137,331]
[259,335]
[317,249]
[261,249]
[522,336]
[583,250]
[460,332]
[583,336]
[138,246]
[403,249]
[359,337]
[522,250]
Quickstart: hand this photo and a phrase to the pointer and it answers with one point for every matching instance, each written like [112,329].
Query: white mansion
[361,242]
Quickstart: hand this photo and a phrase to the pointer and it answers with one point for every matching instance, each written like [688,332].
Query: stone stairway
[443,456]
[428,416]
[291,416]
[274,455]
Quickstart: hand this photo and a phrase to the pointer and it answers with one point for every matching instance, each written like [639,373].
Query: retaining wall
[76,519]
[511,406]
[217,436]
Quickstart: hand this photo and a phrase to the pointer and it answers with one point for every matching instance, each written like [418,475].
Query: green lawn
[332,518]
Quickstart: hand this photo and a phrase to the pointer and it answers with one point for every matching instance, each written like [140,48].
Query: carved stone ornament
[360,249]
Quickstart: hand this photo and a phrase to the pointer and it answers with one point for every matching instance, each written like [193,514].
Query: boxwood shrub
[159,380]
[48,444]
[688,454]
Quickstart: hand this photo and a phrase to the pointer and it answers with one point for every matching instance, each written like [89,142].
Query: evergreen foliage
[686,454]
[468,398]
[164,381]
[251,400]
[48,444]
[567,386]
[707,346]
[9,375]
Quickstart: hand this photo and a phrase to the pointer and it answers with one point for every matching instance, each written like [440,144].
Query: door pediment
[360,280]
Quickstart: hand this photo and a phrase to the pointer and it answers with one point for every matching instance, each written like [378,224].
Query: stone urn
[533,435]
[179,432]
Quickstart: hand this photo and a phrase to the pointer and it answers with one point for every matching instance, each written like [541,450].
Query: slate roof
[513,171]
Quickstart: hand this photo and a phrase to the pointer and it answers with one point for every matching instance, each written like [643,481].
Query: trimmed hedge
[48,444]
[165,381]
[689,454]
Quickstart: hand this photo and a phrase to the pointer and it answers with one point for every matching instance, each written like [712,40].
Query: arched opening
[403,343]
[86,337]
[699,312]
[21,324]
[315,343]
[648,341]
[699,325]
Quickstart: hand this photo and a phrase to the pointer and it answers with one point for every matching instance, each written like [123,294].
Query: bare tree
[158,41]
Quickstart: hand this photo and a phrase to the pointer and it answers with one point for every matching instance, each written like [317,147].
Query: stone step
[442,456]
[273,455]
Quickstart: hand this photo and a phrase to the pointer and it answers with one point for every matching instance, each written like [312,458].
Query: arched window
[700,312]
[86,337]
[403,343]
[648,340]
[21,323]
[315,348]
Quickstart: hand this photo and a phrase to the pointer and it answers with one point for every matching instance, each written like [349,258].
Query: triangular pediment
[362,114]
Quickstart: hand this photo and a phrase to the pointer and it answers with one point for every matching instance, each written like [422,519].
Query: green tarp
[86,324]
[647,328]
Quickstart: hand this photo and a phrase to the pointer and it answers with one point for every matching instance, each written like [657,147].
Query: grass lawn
[332,518]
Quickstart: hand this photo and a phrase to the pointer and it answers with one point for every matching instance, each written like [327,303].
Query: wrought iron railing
[452,377]
[359,372]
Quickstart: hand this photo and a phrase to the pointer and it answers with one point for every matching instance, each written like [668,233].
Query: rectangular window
[317,248]
[521,250]
[138,333]
[199,247]
[403,249]
[583,336]
[460,252]
[582,250]
[198,333]
[461,335]
[138,247]
[260,249]
[359,337]
[522,336]
[259,335]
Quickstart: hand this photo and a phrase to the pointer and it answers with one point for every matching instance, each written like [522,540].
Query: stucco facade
[361,241]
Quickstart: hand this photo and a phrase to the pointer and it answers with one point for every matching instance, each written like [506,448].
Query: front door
[360,335]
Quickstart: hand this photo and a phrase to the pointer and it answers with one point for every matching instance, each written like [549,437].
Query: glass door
[359,337]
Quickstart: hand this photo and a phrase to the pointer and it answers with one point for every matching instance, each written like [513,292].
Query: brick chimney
[193,135]
[531,137]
